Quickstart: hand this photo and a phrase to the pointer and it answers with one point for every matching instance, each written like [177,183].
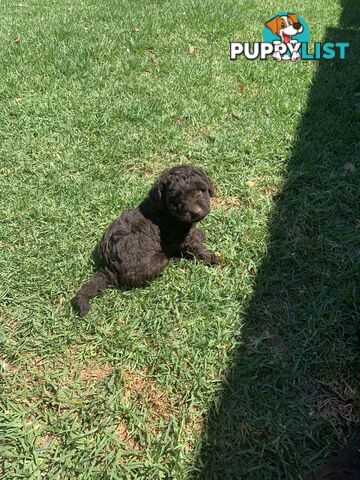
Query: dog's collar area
[163,219]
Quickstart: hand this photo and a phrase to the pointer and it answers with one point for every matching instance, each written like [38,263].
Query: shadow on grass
[290,397]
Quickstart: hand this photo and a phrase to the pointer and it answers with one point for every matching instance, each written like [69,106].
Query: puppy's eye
[283,24]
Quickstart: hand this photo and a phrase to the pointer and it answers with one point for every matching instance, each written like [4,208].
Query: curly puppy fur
[138,245]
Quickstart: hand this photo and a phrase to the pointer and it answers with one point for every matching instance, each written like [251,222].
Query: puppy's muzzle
[198,214]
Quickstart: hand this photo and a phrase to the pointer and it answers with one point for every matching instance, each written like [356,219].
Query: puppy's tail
[99,282]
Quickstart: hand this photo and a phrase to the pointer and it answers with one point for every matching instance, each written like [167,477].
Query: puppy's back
[129,234]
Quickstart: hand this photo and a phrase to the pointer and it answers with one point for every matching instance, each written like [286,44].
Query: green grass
[244,371]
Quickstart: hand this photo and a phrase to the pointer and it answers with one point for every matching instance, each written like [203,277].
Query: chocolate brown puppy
[138,245]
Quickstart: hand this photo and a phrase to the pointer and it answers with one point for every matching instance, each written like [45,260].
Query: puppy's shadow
[95,260]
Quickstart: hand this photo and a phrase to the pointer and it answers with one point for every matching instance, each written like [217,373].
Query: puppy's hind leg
[96,284]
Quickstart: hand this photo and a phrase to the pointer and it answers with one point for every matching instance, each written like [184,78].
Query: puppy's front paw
[210,258]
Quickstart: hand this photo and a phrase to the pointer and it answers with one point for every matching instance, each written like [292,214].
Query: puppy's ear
[293,17]
[273,24]
[156,193]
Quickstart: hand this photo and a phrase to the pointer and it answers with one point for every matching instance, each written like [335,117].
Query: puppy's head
[183,192]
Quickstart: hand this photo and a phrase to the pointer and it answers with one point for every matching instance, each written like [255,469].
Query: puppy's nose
[196,211]
[297,26]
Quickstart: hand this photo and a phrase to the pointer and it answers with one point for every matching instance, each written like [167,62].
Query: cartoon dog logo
[285,26]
